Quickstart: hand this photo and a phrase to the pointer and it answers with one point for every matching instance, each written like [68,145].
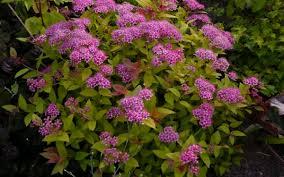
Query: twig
[69,173]
[20,20]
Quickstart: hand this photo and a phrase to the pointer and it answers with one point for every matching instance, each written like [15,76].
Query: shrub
[138,90]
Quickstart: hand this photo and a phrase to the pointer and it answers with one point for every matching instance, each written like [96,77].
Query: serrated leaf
[59,136]
[28,119]
[22,103]
[92,125]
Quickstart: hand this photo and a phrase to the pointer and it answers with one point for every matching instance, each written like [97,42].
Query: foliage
[257,27]
[76,125]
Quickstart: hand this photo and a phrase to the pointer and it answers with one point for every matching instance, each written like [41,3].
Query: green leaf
[61,92]
[99,146]
[88,92]
[205,158]
[21,72]
[22,103]
[28,119]
[105,92]
[224,128]
[34,25]
[59,167]
[132,163]
[10,108]
[237,133]
[60,136]
[203,172]
[81,155]
[86,74]
[164,166]
[274,140]
[232,140]
[161,154]
[61,149]
[215,138]
[148,79]
[150,123]
[91,125]
[50,18]
[13,52]
[217,150]
[165,111]
[175,91]
[258,5]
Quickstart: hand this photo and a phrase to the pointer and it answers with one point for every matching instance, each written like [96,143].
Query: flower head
[191,155]
[113,155]
[204,114]
[98,80]
[50,126]
[145,94]
[52,111]
[104,6]
[251,81]
[114,112]
[233,75]
[168,135]
[108,139]
[199,19]
[194,5]
[205,54]
[221,64]
[36,84]
[230,95]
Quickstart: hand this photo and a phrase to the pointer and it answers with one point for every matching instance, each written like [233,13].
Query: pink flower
[205,54]
[233,75]
[230,95]
[194,5]
[80,5]
[50,126]
[221,64]
[114,112]
[104,6]
[130,19]
[251,81]
[168,5]
[36,84]
[199,19]
[204,114]
[108,139]
[52,111]
[145,94]
[113,155]
[98,80]
[165,53]
[191,155]
[168,135]
[205,88]
[106,70]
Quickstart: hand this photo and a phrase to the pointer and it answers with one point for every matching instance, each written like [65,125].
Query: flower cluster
[71,103]
[104,6]
[233,75]
[205,54]
[50,126]
[204,114]
[52,111]
[199,19]
[72,38]
[106,70]
[218,38]
[221,64]
[80,5]
[168,135]
[168,5]
[36,84]
[230,95]
[133,107]
[108,139]
[150,30]
[145,94]
[125,72]
[114,112]
[194,5]
[128,18]
[113,155]
[205,88]
[251,81]
[98,80]
[166,53]
[190,156]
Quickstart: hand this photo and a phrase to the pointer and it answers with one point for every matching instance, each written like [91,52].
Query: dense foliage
[142,90]
[258,30]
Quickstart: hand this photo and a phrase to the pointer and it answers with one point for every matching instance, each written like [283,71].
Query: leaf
[22,103]
[258,5]
[150,123]
[217,150]
[59,167]
[164,166]
[88,92]
[60,136]
[10,108]
[161,154]
[28,119]
[215,138]
[81,155]
[132,163]
[205,158]
[175,91]
[224,129]
[165,111]
[34,25]
[148,79]
[237,133]
[232,140]
[99,146]
[50,18]
[86,74]
[91,125]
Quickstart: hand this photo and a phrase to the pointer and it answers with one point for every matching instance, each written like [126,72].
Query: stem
[20,20]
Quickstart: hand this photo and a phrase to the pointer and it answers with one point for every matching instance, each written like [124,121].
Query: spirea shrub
[138,91]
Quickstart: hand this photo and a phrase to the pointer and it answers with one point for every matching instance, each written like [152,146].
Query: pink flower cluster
[205,54]
[52,111]
[190,156]
[104,6]
[106,70]
[113,155]
[80,5]
[233,75]
[145,94]
[205,88]
[128,18]
[125,8]
[150,30]
[50,126]
[134,109]
[218,38]
[204,114]
[114,112]
[166,53]
[194,5]
[251,81]
[36,84]
[168,5]
[72,104]
[72,38]
[126,72]
[107,139]
[230,95]
[168,135]
[221,64]
[98,80]
[199,19]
